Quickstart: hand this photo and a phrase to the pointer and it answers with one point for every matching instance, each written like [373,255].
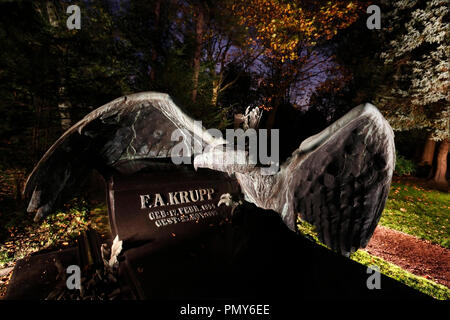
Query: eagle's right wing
[339,179]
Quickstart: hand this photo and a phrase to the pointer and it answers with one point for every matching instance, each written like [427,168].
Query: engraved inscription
[174,198]
[186,209]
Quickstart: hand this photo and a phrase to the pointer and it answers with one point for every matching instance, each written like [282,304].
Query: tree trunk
[154,56]
[64,114]
[64,107]
[216,89]
[271,118]
[428,152]
[199,29]
[441,167]
[270,122]
[36,146]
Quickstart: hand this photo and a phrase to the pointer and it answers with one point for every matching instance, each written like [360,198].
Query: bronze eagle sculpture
[338,180]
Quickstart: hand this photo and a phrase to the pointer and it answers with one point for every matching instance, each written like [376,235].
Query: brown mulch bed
[420,182]
[417,256]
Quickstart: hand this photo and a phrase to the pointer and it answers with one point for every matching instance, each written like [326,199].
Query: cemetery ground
[411,243]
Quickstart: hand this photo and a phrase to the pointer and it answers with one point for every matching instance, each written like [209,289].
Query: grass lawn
[418,211]
[414,210]
[424,285]
[20,236]
[55,231]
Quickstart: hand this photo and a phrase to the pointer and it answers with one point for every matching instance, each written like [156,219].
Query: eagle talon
[227,200]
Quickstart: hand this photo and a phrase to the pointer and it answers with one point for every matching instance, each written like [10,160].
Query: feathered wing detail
[134,127]
[252,118]
[339,179]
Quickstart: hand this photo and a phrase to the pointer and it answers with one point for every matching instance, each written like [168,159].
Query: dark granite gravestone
[172,203]
[166,216]
[248,254]
[169,221]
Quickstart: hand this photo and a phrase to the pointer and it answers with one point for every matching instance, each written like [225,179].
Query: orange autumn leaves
[281,28]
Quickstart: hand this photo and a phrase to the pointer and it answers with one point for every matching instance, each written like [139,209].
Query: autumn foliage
[282,27]
[287,35]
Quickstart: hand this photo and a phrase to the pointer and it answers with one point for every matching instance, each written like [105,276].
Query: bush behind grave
[404,167]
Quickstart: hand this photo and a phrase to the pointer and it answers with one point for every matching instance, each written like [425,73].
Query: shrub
[404,167]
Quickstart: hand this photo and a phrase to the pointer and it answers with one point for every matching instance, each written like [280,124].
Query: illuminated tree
[288,33]
[418,95]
